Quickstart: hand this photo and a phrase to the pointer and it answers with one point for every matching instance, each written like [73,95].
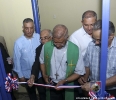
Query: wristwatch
[66,81]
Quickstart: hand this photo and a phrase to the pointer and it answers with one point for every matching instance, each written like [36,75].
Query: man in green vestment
[62,63]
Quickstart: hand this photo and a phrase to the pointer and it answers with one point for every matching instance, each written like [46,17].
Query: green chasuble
[72,58]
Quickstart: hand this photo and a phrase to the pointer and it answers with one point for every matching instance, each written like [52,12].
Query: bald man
[36,76]
[61,62]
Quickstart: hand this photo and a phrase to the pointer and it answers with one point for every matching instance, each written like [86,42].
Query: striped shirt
[92,60]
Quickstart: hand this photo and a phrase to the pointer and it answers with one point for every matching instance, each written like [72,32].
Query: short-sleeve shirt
[81,39]
[92,60]
[59,63]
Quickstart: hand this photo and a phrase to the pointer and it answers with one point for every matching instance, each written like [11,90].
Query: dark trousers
[12,95]
[57,95]
[31,92]
[60,95]
[41,89]
[78,92]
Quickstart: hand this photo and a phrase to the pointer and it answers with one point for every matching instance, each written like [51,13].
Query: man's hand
[22,79]
[82,80]
[60,83]
[31,81]
[46,78]
[86,86]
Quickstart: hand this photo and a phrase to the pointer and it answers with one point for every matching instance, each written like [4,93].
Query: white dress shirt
[81,39]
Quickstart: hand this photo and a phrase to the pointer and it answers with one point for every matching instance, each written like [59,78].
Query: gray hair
[64,27]
[98,26]
[26,20]
[49,31]
[89,14]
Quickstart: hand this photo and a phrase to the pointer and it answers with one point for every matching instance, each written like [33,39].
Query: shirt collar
[113,44]
[83,33]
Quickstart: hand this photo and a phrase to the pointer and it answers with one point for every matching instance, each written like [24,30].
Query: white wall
[12,13]
[113,12]
[67,12]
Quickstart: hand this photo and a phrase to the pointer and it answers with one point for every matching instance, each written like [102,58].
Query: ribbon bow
[11,83]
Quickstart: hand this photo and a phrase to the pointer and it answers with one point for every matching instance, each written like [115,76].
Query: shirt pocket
[24,53]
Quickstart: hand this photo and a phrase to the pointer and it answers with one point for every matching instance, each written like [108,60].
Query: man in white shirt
[82,36]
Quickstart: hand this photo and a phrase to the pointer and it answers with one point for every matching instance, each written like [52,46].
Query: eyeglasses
[96,40]
[44,38]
